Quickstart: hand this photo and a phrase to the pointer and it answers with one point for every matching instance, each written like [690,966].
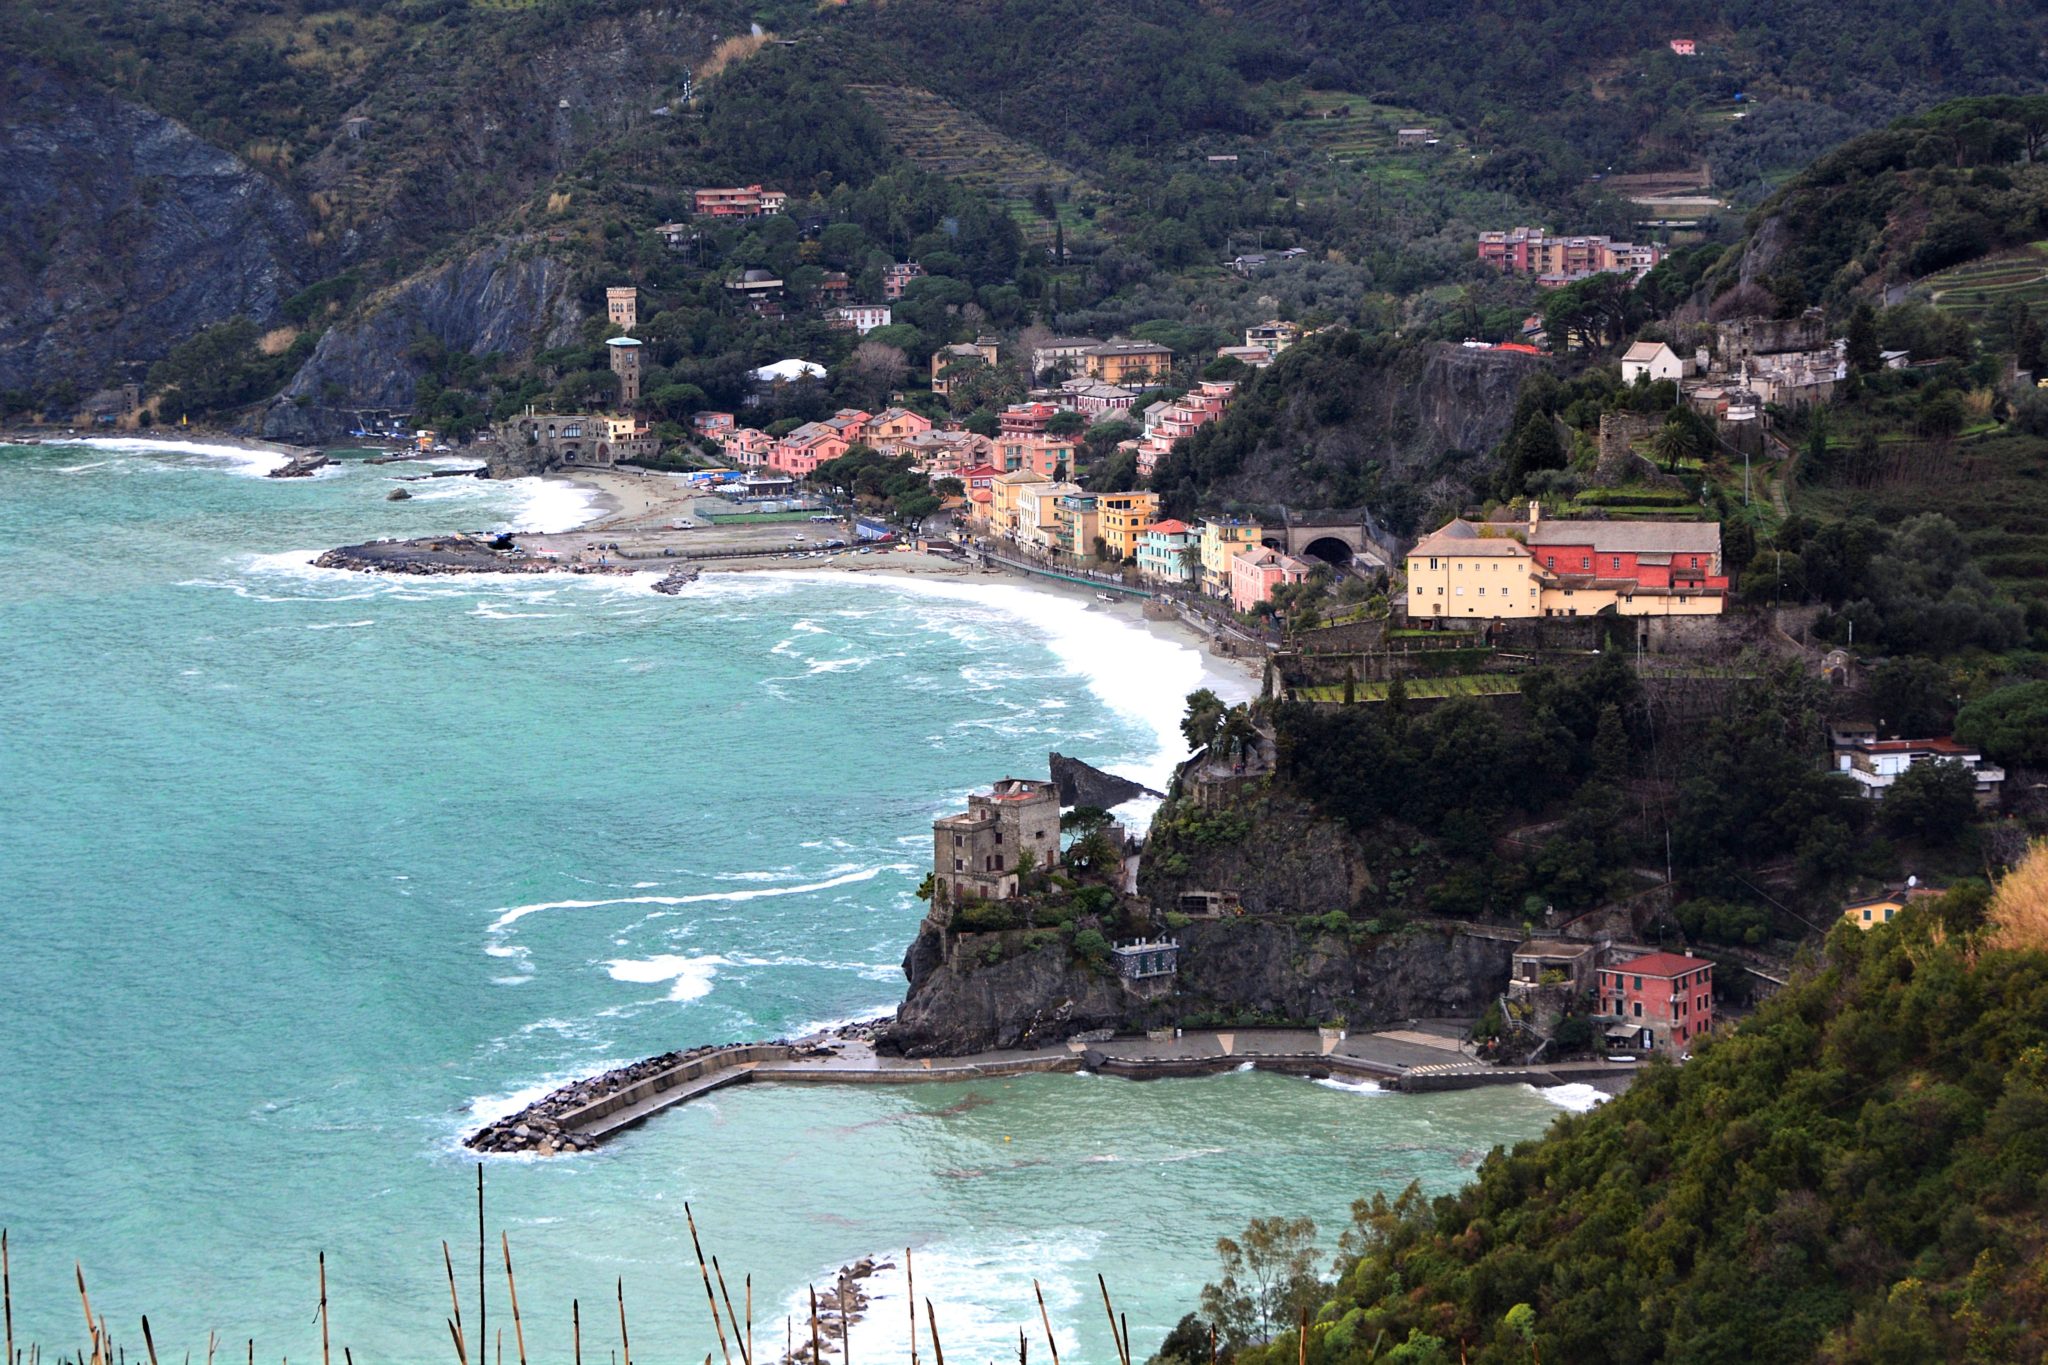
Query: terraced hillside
[1972,289]
[939,136]
[1351,127]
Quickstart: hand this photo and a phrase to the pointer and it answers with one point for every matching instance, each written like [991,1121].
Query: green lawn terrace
[1420,689]
[1971,290]
[1345,126]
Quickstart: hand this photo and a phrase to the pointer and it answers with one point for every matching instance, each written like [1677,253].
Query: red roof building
[1659,1001]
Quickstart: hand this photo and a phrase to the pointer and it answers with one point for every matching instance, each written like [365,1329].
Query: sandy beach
[635,505]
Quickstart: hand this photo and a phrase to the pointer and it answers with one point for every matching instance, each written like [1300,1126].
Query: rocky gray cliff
[122,233]
[1247,969]
[1352,422]
[511,298]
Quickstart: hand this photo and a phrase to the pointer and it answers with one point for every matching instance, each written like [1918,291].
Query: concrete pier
[1422,1057]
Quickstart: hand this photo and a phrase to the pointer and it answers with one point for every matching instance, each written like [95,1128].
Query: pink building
[804,449]
[894,425]
[1254,573]
[895,278]
[747,447]
[1666,998]
[1686,47]
[1025,419]
[746,201]
[1179,420]
[713,424]
[1556,260]
[1046,456]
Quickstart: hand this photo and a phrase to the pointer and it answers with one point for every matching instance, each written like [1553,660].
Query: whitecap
[252,463]
[339,625]
[1353,1087]
[1577,1096]
[691,975]
[511,915]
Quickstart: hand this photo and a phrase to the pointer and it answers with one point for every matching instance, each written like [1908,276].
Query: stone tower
[622,306]
[625,354]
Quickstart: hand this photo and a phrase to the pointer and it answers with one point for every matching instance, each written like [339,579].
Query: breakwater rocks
[454,554]
[552,1124]
[301,466]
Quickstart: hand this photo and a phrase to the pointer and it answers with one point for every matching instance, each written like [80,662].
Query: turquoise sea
[305,873]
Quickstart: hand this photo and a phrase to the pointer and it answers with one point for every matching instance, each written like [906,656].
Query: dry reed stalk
[745,1357]
[1301,1338]
[910,1297]
[817,1355]
[512,1289]
[576,1329]
[483,1304]
[1046,1318]
[325,1358]
[148,1340]
[750,1317]
[92,1330]
[845,1327]
[938,1351]
[625,1342]
[455,1323]
[1115,1339]
[7,1294]
[698,1246]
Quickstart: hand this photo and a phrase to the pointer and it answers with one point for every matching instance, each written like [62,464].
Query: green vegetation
[221,369]
[1854,1174]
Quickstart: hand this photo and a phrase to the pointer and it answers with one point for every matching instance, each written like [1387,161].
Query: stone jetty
[301,466]
[453,554]
[1421,1056]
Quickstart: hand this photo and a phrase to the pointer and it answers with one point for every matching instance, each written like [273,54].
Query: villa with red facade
[1660,1001]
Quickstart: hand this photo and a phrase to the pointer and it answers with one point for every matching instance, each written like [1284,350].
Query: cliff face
[1246,968]
[1351,423]
[122,233]
[1290,861]
[500,299]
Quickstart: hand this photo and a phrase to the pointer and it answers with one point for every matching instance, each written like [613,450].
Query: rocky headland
[455,554]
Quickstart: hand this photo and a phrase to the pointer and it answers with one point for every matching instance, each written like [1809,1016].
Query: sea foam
[511,915]
[691,976]
[1576,1097]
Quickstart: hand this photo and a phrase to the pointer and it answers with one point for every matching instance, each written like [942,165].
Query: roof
[622,341]
[1170,527]
[1060,343]
[1462,538]
[1913,746]
[1662,964]
[1632,537]
[1130,348]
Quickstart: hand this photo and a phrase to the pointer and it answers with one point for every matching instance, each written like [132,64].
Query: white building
[1875,764]
[1652,358]
[861,317]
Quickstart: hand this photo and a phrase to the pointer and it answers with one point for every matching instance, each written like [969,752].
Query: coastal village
[1331,609]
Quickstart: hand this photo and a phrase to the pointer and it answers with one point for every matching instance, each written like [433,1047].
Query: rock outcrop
[510,298]
[122,233]
[1248,969]
[1083,784]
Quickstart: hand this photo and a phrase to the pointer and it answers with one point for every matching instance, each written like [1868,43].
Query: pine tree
[1864,355]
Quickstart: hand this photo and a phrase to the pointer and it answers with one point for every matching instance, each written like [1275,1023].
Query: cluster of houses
[1558,260]
[1642,1000]
[1482,571]
[1751,362]
[1875,764]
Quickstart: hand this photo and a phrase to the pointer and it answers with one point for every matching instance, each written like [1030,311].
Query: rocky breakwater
[454,554]
[547,1127]
[301,466]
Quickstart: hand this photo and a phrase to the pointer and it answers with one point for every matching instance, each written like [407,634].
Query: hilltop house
[1567,568]
[1651,358]
[861,317]
[970,355]
[746,201]
[975,855]
[1062,355]
[1273,337]
[1130,364]
[1878,910]
[1875,764]
[1556,260]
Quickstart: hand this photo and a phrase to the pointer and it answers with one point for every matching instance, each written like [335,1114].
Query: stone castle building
[975,855]
[625,356]
[622,306]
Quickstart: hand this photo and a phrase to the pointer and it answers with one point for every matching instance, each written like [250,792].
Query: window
[1585,561]
[1617,560]
[999,838]
[1550,561]
[959,864]
[1639,983]
[1482,591]
[1638,1009]
[1461,590]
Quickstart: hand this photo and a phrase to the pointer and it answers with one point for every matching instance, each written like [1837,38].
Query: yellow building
[1222,541]
[1131,364]
[1881,910]
[1541,567]
[1006,497]
[1124,518]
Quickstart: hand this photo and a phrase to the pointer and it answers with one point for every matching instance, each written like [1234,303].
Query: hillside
[1853,1174]
[1348,419]
[1901,205]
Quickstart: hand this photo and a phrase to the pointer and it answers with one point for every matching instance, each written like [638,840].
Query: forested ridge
[1858,1173]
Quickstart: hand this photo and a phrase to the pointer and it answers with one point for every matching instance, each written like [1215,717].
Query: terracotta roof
[1632,537]
[1661,965]
[1170,527]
